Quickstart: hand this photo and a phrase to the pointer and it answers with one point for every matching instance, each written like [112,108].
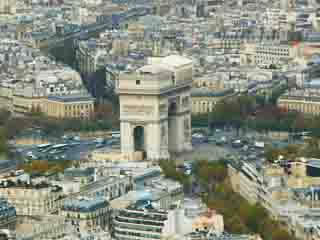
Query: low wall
[115,156]
[89,135]
[30,141]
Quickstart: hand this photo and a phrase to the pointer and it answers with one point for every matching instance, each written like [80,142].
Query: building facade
[32,199]
[69,106]
[204,100]
[134,223]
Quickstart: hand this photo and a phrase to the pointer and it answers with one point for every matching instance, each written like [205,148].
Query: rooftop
[204,92]
[84,204]
[25,185]
[78,172]
[71,98]
[176,61]
[151,69]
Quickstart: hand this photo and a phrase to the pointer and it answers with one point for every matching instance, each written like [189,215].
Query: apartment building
[267,54]
[86,214]
[306,102]
[32,199]
[226,43]
[257,188]
[274,18]
[136,223]
[42,228]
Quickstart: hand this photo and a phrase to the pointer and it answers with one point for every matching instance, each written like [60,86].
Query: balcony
[139,221]
[144,216]
[134,235]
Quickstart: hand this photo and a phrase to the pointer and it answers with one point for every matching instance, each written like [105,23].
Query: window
[138,82]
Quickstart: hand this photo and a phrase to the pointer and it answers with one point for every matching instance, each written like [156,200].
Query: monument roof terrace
[152,79]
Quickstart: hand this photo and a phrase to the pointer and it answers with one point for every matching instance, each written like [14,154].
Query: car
[99,145]
[33,157]
[197,135]
[187,172]
[112,141]
[99,140]
[76,138]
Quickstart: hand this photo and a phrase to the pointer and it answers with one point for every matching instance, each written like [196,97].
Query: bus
[43,146]
[59,146]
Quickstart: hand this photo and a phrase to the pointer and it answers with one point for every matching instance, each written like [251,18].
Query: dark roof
[84,205]
[78,172]
[204,92]
[71,98]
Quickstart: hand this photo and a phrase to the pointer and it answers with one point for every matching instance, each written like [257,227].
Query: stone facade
[69,107]
[155,108]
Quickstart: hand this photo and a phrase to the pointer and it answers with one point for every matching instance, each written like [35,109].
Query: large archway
[138,135]
[172,126]
[172,108]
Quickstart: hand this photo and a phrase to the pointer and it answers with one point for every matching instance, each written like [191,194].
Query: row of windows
[88,215]
[308,108]
[202,107]
[208,84]
[266,58]
[271,53]
[138,226]
[148,236]
[79,106]
[272,49]
[264,61]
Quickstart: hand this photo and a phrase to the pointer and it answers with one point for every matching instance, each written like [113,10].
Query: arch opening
[138,134]
[172,108]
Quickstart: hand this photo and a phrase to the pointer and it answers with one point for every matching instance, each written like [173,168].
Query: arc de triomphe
[155,108]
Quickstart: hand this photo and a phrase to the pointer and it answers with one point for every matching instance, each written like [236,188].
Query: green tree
[3,141]
[271,154]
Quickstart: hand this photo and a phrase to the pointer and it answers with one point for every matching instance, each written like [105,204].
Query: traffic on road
[67,148]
